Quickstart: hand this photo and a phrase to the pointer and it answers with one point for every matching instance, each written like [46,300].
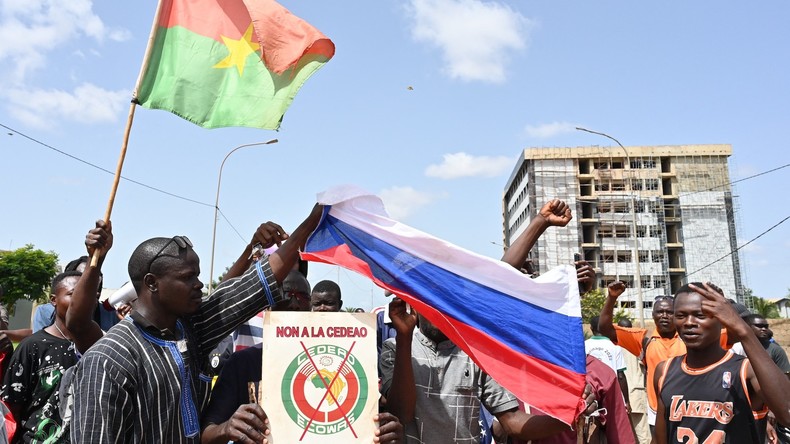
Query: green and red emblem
[324,390]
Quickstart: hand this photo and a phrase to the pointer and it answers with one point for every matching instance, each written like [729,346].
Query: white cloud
[29,29]
[464,165]
[402,202]
[548,130]
[476,38]
[87,104]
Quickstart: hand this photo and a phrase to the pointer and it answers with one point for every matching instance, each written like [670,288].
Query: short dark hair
[687,289]
[57,280]
[594,323]
[625,322]
[749,318]
[328,287]
[73,265]
[141,260]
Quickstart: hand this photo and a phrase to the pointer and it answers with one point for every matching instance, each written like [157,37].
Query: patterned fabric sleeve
[101,384]
[232,303]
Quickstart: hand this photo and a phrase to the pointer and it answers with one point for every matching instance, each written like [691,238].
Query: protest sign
[320,381]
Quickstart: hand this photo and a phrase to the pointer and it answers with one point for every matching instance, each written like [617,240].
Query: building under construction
[655,217]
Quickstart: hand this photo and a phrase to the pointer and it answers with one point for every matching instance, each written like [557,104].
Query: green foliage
[758,305]
[764,308]
[350,309]
[26,273]
[592,303]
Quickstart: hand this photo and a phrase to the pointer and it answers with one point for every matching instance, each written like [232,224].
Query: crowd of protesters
[176,366]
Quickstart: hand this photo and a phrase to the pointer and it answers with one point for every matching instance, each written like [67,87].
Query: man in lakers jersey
[709,395]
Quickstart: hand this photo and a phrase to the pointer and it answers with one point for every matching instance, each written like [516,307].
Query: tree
[760,306]
[592,303]
[26,273]
[764,308]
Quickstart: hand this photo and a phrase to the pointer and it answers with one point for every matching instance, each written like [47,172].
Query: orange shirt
[659,349]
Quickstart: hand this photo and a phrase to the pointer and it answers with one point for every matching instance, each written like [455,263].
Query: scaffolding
[645,215]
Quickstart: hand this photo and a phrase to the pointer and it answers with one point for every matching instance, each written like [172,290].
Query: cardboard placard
[321,380]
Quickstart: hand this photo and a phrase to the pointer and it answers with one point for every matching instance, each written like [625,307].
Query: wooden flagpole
[129,120]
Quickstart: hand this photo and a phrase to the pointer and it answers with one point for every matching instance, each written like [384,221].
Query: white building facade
[655,217]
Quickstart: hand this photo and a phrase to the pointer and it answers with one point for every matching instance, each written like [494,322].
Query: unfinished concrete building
[655,217]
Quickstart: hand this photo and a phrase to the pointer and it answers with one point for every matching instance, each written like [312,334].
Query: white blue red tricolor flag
[525,333]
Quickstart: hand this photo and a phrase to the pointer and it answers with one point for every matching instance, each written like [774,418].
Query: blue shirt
[43,317]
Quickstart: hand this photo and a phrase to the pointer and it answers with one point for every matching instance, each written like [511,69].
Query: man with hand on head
[155,359]
[708,395]
[662,344]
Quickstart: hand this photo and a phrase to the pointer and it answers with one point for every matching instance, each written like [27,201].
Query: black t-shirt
[32,381]
[710,404]
[231,391]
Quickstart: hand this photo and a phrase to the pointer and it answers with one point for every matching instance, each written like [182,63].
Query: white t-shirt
[605,350]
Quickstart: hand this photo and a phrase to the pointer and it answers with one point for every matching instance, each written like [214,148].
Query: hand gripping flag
[525,333]
[224,63]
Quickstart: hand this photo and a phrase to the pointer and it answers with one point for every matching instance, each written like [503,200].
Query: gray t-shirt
[774,350]
[450,389]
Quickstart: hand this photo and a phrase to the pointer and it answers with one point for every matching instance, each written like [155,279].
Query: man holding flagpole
[143,381]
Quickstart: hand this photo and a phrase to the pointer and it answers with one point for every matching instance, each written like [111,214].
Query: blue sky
[487,79]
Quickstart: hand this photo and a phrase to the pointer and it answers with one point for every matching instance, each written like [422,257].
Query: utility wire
[106,170]
[735,250]
[231,225]
[159,190]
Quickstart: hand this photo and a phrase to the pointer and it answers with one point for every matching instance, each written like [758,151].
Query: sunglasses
[181,241]
[760,325]
[664,298]
[299,295]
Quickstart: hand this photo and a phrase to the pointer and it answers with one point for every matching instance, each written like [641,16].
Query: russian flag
[525,333]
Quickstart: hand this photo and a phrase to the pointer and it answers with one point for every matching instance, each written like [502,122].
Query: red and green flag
[224,63]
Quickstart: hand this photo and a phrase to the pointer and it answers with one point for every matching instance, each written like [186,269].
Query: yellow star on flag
[239,50]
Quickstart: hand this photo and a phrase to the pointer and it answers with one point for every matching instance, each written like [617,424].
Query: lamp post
[216,204]
[638,277]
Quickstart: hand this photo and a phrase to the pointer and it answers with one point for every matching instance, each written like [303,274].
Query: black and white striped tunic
[128,386]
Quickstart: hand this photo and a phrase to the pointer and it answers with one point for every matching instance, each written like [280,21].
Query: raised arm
[767,380]
[555,213]
[613,291]
[283,260]
[401,392]
[79,315]
[267,235]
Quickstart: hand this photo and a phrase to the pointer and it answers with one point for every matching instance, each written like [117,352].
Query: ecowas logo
[324,390]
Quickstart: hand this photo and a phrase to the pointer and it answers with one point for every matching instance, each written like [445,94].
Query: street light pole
[638,277]
[216,204]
